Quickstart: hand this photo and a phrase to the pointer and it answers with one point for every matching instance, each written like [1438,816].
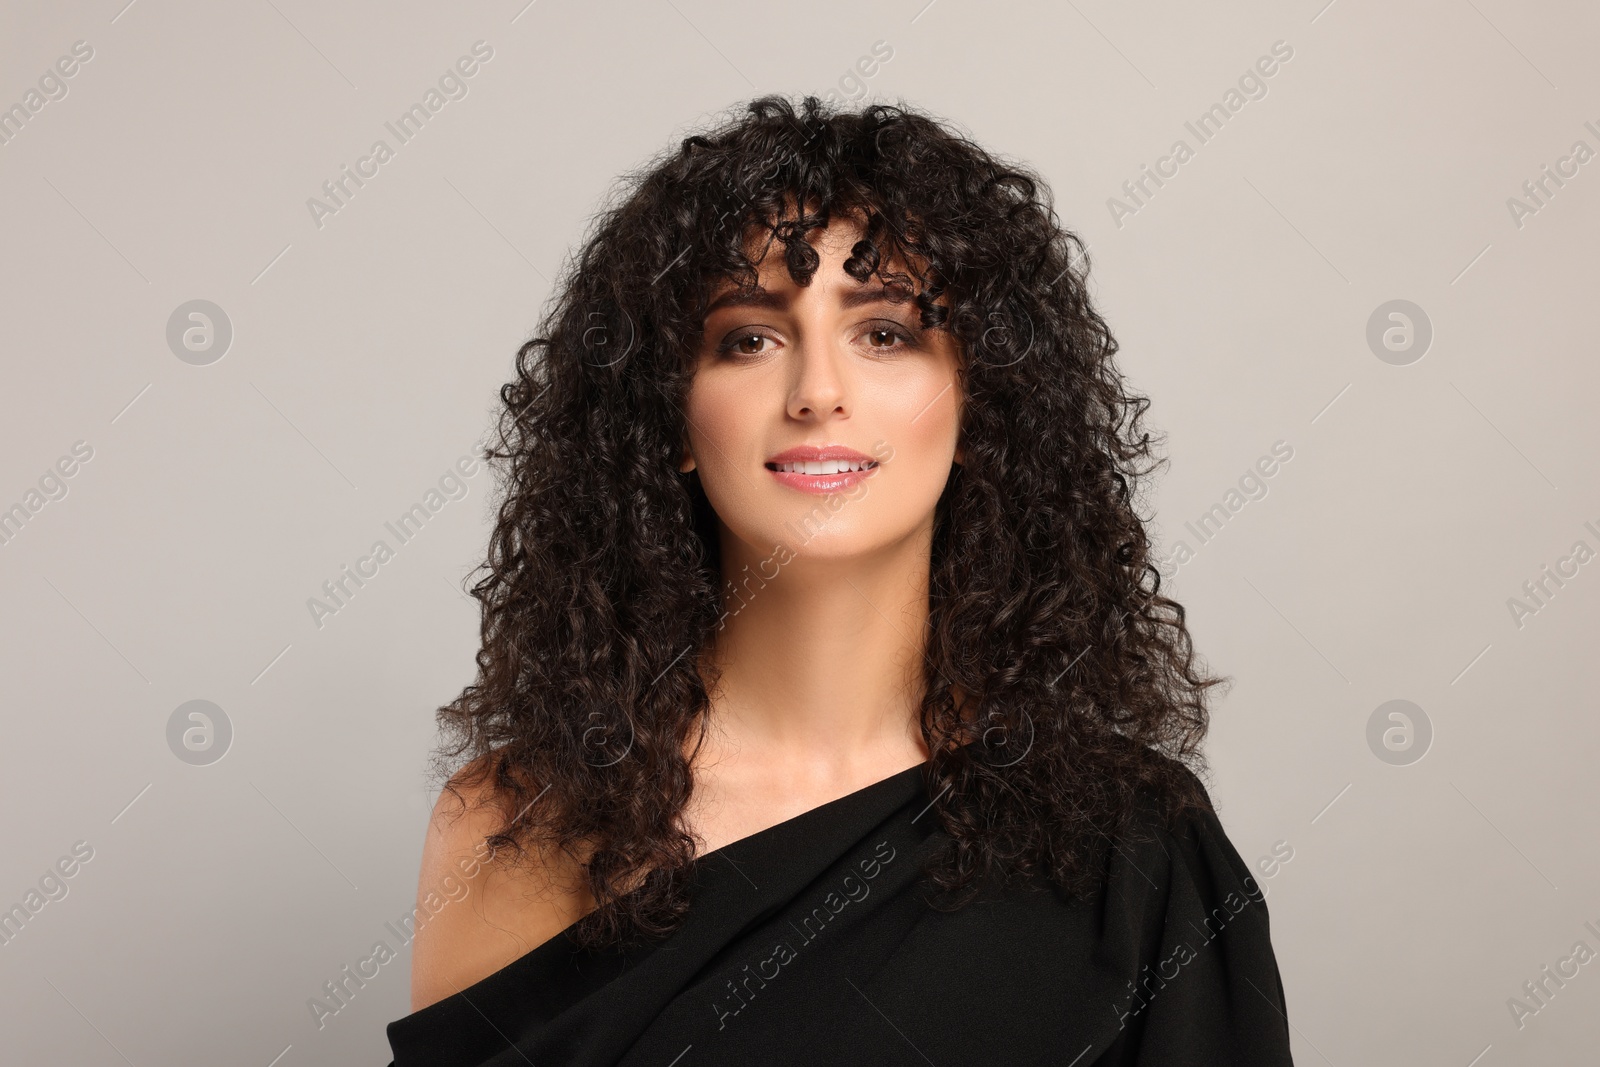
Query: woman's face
[837,367]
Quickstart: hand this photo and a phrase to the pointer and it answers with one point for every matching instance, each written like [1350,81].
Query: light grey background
[1379,564]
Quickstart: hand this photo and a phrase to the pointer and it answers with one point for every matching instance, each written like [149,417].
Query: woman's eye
[741,344]
[889,335]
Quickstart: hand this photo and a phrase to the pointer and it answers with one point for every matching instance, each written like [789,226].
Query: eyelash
[725,349]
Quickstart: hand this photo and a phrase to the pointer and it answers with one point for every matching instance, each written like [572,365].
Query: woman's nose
[819,383]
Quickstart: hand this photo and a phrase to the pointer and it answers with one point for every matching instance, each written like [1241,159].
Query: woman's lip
[815,453]
[822,483]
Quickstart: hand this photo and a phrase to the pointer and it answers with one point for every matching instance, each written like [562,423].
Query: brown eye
[892,333]
[739,344]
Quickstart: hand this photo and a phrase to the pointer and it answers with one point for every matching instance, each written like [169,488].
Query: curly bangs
[602,589]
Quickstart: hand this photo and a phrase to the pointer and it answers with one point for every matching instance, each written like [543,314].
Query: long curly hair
[604,581]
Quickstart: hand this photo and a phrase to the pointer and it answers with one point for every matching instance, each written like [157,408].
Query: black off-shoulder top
[810,942]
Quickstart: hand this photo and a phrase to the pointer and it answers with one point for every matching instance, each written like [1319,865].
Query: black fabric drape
[810,943]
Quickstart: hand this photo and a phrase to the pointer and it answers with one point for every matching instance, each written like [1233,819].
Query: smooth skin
[820,666]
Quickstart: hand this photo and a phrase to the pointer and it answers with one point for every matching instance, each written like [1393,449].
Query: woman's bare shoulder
[476,912]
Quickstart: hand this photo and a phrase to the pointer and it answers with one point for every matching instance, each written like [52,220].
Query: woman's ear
[686,464]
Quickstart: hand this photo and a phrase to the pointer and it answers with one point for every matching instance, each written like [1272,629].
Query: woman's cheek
[714,414]
[930,429]
[724,430]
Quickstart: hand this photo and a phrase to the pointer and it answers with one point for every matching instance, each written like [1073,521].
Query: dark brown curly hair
[604,581]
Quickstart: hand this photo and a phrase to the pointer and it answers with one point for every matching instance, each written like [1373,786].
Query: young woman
[828,711]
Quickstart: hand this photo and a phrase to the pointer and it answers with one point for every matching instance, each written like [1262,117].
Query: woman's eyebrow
[768,300]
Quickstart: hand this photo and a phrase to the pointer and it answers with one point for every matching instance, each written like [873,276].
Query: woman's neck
[822,660]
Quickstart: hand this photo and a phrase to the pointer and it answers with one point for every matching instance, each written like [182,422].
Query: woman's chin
[832,547]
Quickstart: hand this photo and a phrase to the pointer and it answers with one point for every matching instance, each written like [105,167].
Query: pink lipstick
[821,468]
